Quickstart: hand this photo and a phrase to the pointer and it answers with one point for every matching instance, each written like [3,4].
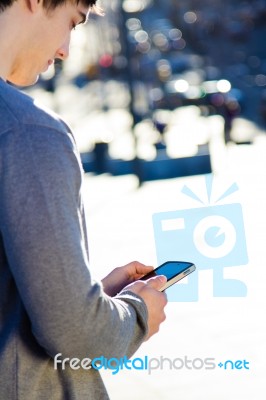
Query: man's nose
[63,51]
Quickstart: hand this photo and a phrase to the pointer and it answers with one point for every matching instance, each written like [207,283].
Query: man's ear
[33,5]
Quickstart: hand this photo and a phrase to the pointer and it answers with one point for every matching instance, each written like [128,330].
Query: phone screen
[169,269]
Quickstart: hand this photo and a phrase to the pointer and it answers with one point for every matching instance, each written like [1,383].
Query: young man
[50,308]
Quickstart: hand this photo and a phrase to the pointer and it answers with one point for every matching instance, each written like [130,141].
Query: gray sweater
[49,303]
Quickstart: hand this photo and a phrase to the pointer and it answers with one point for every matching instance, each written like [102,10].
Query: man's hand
[154,300]
[123,276]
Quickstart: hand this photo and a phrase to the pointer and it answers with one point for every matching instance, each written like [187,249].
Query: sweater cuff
[139,306]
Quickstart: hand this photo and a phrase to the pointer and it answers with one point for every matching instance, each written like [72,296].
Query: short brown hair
[48,4]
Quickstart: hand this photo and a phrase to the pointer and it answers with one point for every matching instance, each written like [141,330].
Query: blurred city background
[138,77]
[159,92]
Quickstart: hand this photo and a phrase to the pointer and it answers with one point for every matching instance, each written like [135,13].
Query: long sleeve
[44,235]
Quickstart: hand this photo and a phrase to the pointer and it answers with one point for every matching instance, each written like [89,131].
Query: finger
[157,282]
[142,269]
[136,269]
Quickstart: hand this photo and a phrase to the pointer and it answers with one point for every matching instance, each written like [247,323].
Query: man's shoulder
[17,108]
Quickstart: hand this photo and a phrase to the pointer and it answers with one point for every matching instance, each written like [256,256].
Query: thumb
[157,282]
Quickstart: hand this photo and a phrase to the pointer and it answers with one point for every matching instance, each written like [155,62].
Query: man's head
[36,32]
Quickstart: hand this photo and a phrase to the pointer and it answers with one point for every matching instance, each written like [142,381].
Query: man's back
[26,370]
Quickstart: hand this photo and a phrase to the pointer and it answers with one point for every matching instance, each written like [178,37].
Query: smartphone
[173,270]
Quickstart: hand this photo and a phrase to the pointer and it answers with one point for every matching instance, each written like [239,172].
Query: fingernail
[162,278]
